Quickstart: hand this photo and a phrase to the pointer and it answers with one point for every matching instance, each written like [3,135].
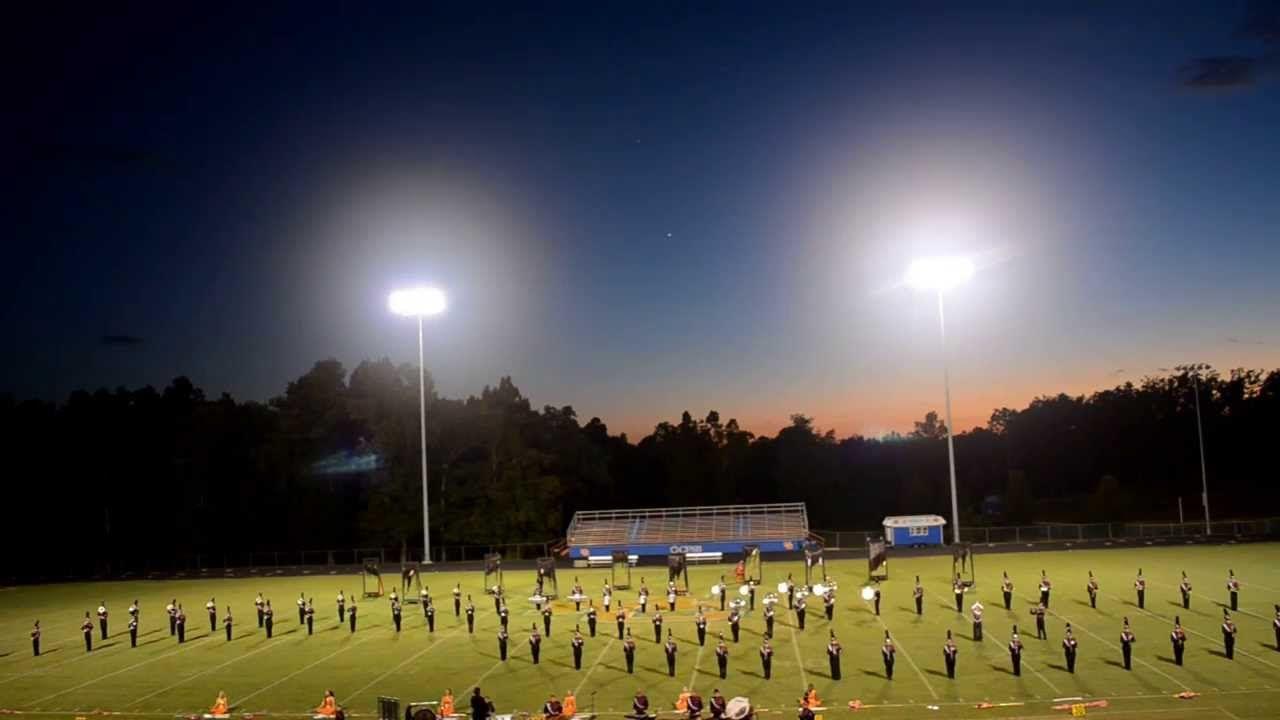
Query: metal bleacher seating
[688,525]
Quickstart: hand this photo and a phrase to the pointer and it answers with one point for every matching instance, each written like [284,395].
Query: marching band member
[211,608]
[351,615]
[957,587]
[395,611]
[471,616]
[546,619]
[829,604]
[1140,587]
[643,597]
[1015,652]
[888,653]
[535,644]
[722,593]
[172,610]
[657,625]
[570,704]
[504,615]
[734,620]
[226,623]
[833,657]
[102,618]
[1178,638]
[133,609]
[1184,588]
[629,652]
[949,653]
[694,706]
[1092,589]
[446,704]
[502,643]
[221,705]
[1069,647]
[269,617]
[621,619]
[800,610]
[261,607]
[1039,612]
[671,595]
[133,631]
[430,612]
[35,639]
[577,643]
[302,607]
[768,619]
[1127,639]
[977,611]
[717,705]
[1228,635]
[791,592]
[1045,588]
[606,595]
[670,648]
[577,595]
[457,600]
[342,608]
[310,614]
[1006,586]
[1233,588]
[640,706]
[591,618]
[700,623]
[722,657]
[918,594]
[181,621]
[552,709]
[766,657]
[875,598]
[329,705]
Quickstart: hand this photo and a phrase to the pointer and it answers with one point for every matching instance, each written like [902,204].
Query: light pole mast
[422,418]
[1204,476]
[951,447]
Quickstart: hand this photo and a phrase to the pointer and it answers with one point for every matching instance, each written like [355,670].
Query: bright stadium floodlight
[417,302]
[939,274]
[420,302]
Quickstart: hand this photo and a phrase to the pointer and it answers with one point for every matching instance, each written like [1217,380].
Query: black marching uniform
[342,608]
[800,609]
[1092,589]
[766,659]
[833,657]
[226,623]
[395,614]
[471,617]
[87,628]
[1006,587]
[977,620]
[751,596]
[502,643]
[1045,588]
[700,623]
[1015,652]
[723,592]
[431,617]
[1127,639]
[1233,589]
[1140,587]
[949,652]
[269,617]
[918,594]
[310,614]
[1178,639]
[888,653]
[260,606]
[829,605]
[302,609]
[35,639]
[1069,648]
[671,649]
[657,626]
[351,617]
[212,608]
[768,620]
[102,619]
[172,610]
[957,587]
[182,625]
[621,619]
[722,658]
[734,621]
[133,632]
[535,645]
[1184,588]
[791,593]
[1039,612]
[457,601]
[629,652]
[1228,636]
[546,620]
[504,616]
[1275,625]
[577,643]
[591,620]
[876,599]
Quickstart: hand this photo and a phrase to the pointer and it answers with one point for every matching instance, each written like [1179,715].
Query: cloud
[1244,341]
[121,340]
[1220,72]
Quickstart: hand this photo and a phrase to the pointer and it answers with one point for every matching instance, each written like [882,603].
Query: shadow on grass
[1114,663]
[873,673]
[939,673]
[1268,646]
[1002,669]
[1216,653]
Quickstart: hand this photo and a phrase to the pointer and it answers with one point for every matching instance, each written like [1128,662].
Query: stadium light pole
[937,275]
[420,302]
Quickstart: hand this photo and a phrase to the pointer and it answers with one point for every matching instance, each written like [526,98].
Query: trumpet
[717,589]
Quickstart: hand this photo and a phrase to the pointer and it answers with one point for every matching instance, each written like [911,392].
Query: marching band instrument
[820,589]
[782,586]
[716,589]
[745,590]
[739,708]
[868,593]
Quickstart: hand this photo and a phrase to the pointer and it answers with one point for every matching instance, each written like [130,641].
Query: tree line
[333,462]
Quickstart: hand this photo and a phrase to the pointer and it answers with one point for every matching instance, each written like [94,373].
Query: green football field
[288,674]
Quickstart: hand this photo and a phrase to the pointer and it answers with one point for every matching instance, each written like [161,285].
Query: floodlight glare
[417,302]
[939,273]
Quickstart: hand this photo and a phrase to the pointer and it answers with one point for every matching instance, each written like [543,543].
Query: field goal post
[546,579]
[877,560]
[678,572]
[493,573]
[619,570]
[753,565]
[813,564]
[962,563]
[371,577]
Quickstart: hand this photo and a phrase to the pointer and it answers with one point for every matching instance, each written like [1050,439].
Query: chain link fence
[1075,532]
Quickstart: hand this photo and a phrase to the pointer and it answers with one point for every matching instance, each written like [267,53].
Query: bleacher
[702,532]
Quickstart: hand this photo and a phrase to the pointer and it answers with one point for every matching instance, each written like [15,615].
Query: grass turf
[288,674]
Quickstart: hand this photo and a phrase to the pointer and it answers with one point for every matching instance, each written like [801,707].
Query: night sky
[642,208]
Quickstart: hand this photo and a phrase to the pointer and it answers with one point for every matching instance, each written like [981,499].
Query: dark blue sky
[641,211]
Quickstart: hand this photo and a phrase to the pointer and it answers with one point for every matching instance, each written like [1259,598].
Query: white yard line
[406,661]
[599,659]
[100,678]
[244,699]
[1025,664]
[1209,637]
[905,654]
[693,676]
[1218,603]
[186,680]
